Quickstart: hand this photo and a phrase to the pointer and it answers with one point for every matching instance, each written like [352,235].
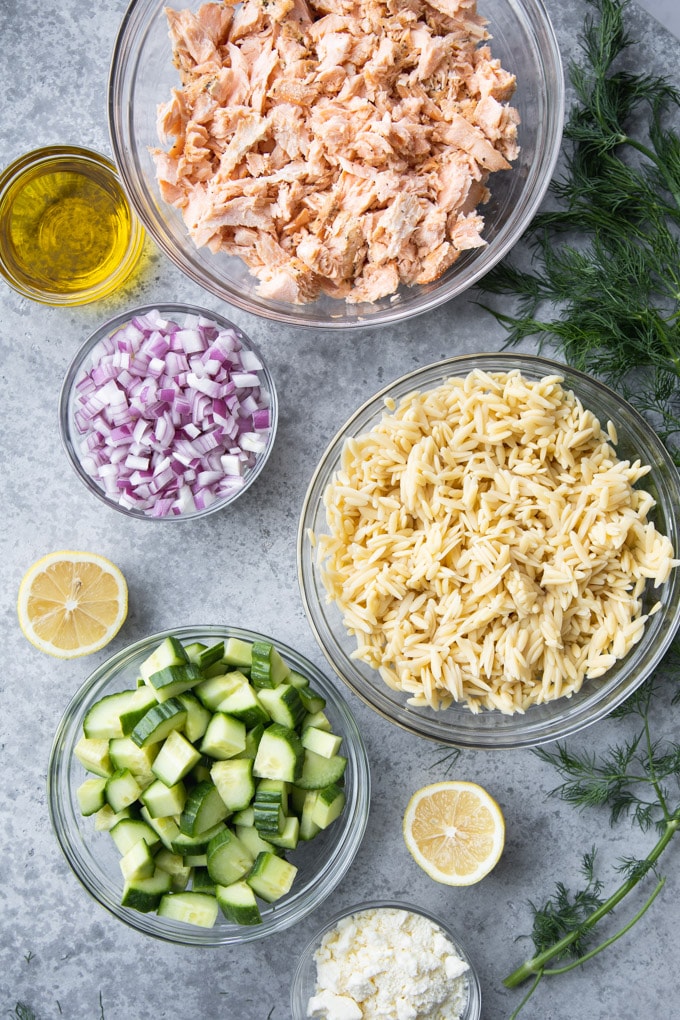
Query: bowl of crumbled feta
[385,961]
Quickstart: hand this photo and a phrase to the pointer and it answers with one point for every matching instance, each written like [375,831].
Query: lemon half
[455,831]
[72,603]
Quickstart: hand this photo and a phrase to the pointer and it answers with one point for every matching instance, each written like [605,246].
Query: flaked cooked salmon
[337,148]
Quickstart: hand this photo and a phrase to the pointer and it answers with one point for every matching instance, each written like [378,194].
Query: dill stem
[537,964]
[651,155]
[613,938]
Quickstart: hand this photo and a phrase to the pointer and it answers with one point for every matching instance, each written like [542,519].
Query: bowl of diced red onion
[168,412]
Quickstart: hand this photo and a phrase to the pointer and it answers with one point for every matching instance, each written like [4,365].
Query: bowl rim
[606,698]
[391,903]
[119,122]
[12,173]
[284,914]
[106,329]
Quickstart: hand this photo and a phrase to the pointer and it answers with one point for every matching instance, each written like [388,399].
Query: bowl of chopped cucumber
[208,786]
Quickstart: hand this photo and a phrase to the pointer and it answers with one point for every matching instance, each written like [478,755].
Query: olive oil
[67,232]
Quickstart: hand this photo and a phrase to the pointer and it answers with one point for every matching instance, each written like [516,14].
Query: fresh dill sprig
[638,778]
[604,283]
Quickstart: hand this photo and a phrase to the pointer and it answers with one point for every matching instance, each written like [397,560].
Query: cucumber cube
[204,808]
[122,789]
[267,666]
[91,796]
[228,858]
[93,755]
[238,653]
[224,738]
[321,741]
[234,781]
[138,862]
[328,805]
[175,759]
[163,801]
[197,718]
[271,877]
[145,894]
[166,828]
[190,907]
[238,904]
[170,652]
[280,754]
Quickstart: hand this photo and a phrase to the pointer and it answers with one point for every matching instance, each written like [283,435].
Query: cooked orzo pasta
[485,545]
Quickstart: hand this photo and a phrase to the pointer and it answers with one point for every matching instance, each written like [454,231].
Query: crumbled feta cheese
[388,964]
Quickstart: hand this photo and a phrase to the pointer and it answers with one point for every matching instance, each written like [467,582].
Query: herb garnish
[603,286]
[636,779]
[604,283]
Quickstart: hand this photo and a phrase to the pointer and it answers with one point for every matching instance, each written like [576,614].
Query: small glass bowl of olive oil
[67,232]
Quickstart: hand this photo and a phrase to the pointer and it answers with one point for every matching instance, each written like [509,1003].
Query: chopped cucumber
[213,691]
[209,656]
[190,907]
[170,652]
[271,877]
[93,755]
[125,754]
[145,893]
[173,680]
[328,805]
[166,827]
[312,701]
[252,840]
[289,835]
[280,754]
[238,903]
[137,862]
[160,720]
[175,759]
[224,738]
[234,781]
[198,716]
[176,867]
[244,704]
[163,801]
[228,858]
[129,831]
[267,667]
[283,704]
[121,789]
[238,653]
[91,796]
[321,741]
[318,771]
[192,846]
[206,774]
[105,719]
[203,809]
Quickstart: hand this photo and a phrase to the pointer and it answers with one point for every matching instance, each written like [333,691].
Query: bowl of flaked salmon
[336,165]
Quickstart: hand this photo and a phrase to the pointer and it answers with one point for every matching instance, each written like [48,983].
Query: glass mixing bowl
[143,75]
[457,725]
[304,979]
[321,863]
[70,401]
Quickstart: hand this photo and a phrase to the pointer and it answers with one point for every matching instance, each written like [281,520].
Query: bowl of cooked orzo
[488,551]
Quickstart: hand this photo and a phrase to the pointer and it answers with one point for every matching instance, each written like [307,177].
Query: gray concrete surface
[60,952]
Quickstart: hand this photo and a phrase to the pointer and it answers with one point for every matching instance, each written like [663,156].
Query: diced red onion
[172,416]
